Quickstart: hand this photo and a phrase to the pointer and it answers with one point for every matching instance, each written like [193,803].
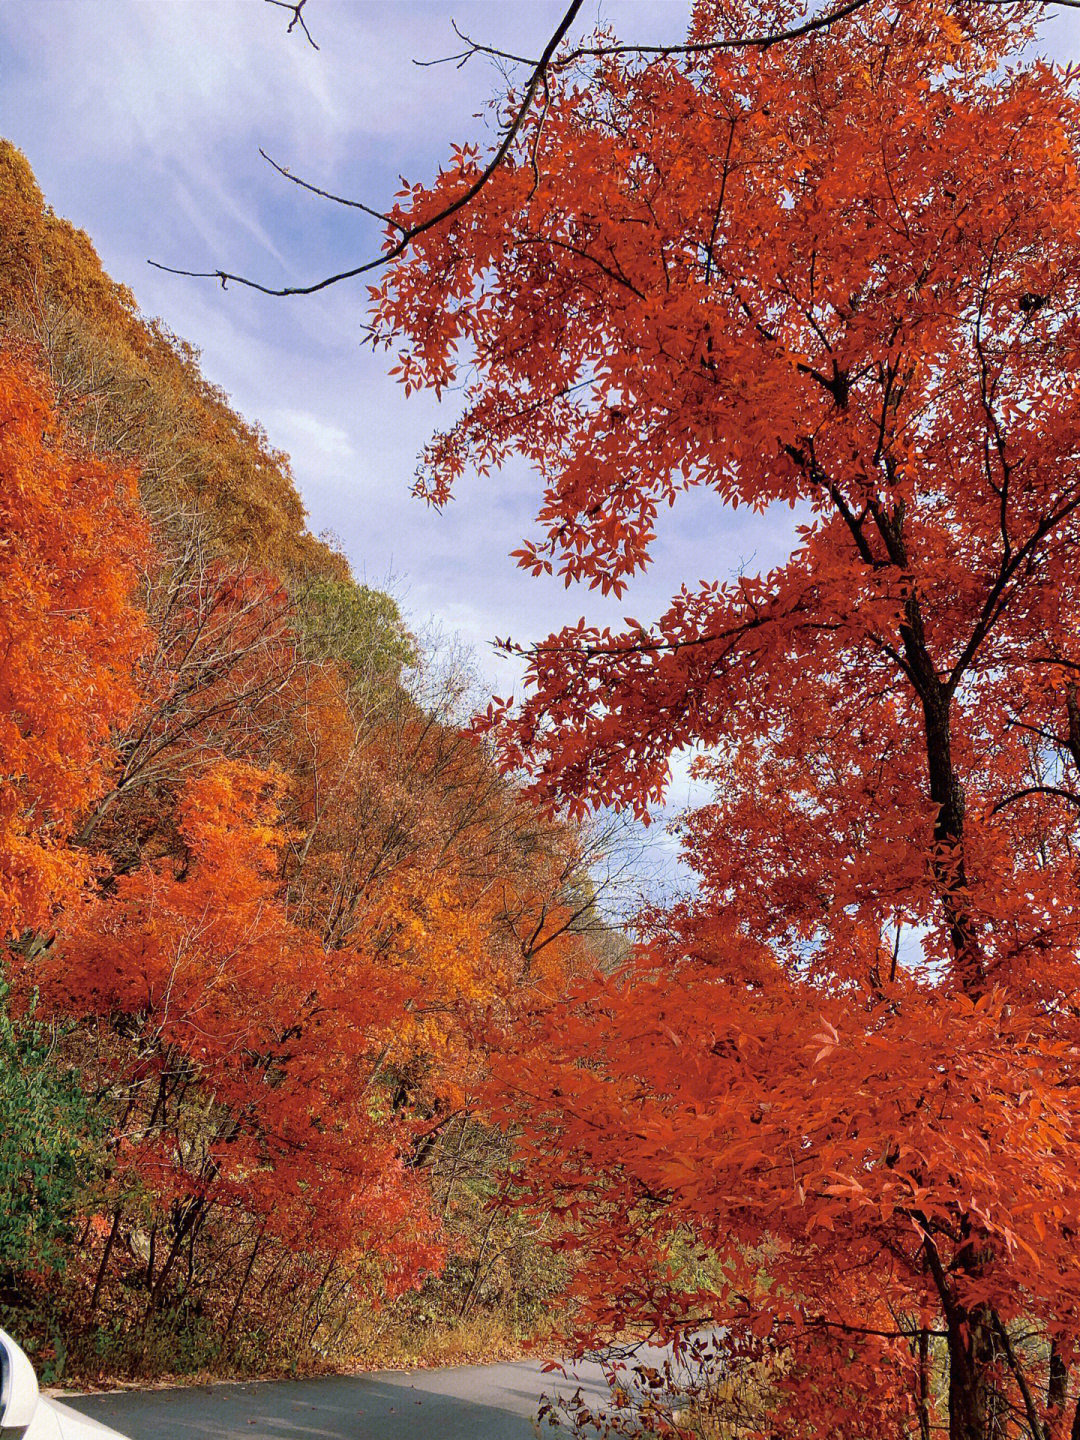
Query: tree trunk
[970,1395]
[189,1216]
[99,1279]
[1057,1392]
[924,1385]
[973,1385]
[243,1285]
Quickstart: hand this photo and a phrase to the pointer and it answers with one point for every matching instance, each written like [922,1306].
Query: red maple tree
[841,275]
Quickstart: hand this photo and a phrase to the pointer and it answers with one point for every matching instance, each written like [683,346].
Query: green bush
[360,629]
[47,1141]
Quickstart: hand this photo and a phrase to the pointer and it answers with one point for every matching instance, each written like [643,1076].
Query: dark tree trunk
[99,1279]
[971,1395]
[924,1385]
[1057,1392]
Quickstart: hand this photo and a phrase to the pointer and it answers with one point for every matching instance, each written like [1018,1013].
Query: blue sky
[143,119]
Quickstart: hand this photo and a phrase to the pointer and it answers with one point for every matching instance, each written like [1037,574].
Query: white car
[26,1414]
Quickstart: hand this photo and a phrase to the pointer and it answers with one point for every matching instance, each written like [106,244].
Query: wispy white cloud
[303,432]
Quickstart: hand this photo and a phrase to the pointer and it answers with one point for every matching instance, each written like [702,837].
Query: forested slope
[268,907]
[139,393]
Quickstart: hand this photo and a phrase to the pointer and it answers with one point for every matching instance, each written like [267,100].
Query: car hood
[54,1420]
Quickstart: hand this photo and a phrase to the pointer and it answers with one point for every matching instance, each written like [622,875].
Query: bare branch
[284,171]
[410,234]
[762,41]
[297,17]
[1030,1406]
[471,49]
[1054,790]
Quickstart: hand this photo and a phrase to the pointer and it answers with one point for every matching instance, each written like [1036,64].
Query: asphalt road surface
[479,1402]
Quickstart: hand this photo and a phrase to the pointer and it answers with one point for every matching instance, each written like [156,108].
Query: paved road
[483,1402]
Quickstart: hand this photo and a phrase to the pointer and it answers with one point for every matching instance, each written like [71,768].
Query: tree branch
[284,171]
[410,233]
[1031,1408]
[542,68]
[297,17]
[1038,790]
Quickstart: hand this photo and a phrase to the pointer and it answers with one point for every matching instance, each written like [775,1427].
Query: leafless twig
[410,233]
[328,194]
[297,17]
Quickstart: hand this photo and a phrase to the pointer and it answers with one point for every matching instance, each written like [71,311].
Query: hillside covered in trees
[268,905]
[312,1037]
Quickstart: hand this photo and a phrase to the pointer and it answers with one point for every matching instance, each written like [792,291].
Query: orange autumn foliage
[128,383]
[831,1108]
[72,541]
[277,1032]
[414,852]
